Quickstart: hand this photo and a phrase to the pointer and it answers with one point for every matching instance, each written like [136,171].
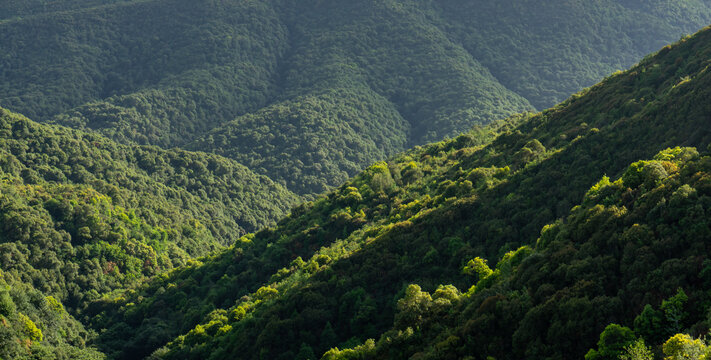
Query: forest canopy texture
[232,180]
[311,92]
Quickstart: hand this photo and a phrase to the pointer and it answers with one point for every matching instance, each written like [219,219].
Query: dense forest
[231,179]
[82,216]
[36,326]
[205,75]
[393,263]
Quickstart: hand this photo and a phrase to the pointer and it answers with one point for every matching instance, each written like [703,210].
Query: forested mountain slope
[225,76]
[81,215]
[337,270]
[634,253]
[564,45]
[163,70]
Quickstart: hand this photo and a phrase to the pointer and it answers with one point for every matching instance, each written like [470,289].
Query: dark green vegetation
[340,269]
[130,236]
[632,242]
[339,132]
[270,83]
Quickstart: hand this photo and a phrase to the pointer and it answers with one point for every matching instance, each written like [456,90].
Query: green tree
[637,351]
[412,307]
[328,336]
[7,306]
[673,309]
[305,353]
[613,342]
[30,329]
[477,267]
[648,324]
[684,347]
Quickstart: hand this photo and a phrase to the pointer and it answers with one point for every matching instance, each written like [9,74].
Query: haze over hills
[206,75]
[340,270]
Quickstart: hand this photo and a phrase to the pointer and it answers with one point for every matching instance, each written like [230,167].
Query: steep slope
[82,216]
[640,240]
[331,274]
[180,299]
[206,75]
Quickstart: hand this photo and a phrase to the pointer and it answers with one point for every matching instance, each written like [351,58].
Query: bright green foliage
[477,267]
[412,307]
[512,259]
[29,328]
[637,351]
[40,328]
[614,341]
[684,347]
[266,293]
[55,305]
[445,296]
[82,215]
[648,173]
[360,352]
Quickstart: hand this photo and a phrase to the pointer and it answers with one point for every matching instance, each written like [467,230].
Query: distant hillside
[339,270]
[207,75]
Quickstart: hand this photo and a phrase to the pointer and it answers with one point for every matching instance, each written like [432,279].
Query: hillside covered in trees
[151,206]
[311,92]
[82,216]
[593,216]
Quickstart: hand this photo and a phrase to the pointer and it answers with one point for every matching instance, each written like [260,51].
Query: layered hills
[590,210]
[148,209]
[273,83]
